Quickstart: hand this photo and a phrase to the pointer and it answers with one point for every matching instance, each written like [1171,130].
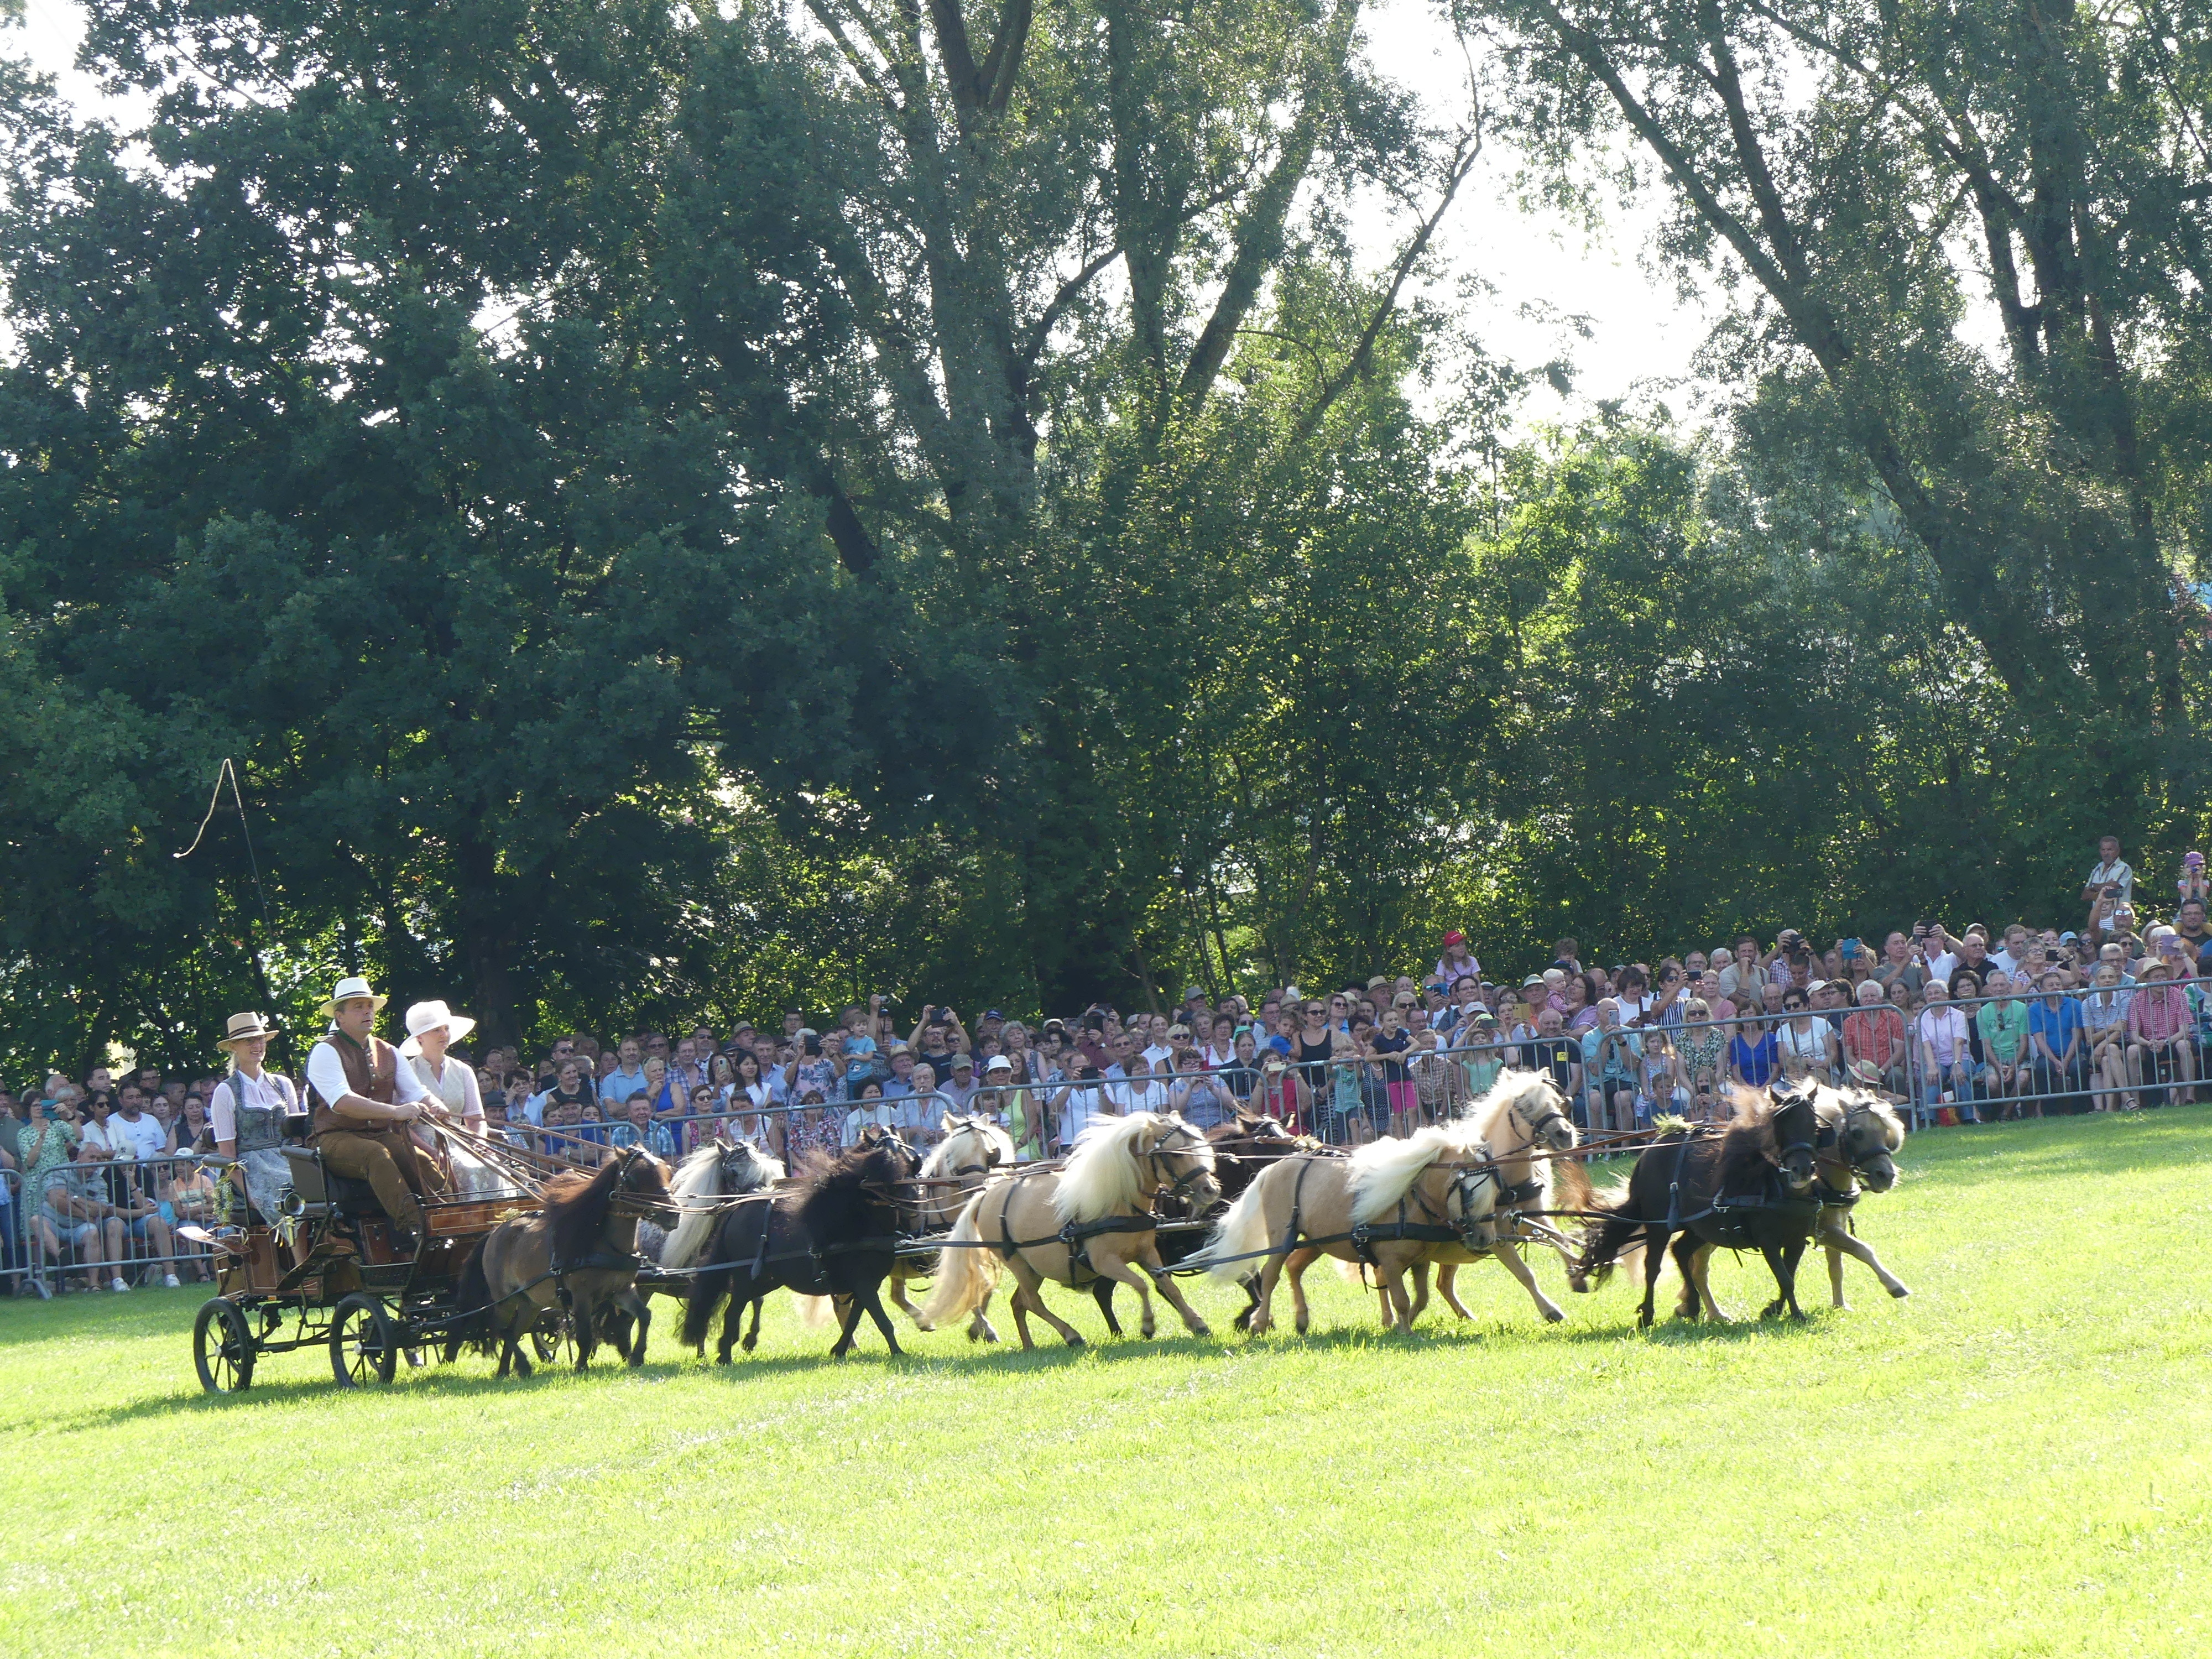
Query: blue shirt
[2055,1026]
[654,1138]
[618,1085]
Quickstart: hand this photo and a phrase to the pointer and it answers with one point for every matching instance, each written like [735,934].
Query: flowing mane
[836,1201]
[697,1181]
[1383,1171]
[941,1161]
[576,1208]
[1102,1176]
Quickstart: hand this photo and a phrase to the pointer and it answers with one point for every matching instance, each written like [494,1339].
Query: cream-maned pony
[1359,1209]
[1859,1131]
[1058,1223]
[1521,1118]
[975,1152]
[715,1171]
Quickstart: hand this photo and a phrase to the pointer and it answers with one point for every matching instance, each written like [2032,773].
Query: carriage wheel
[364,1342]
[222,1347]
[551,1338]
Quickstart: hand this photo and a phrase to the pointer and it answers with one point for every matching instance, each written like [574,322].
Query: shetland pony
[577,1250]
[1520,1118]
[973,1152]
[834,1234]
[1681,1188]
[1859,1134]
[1093,1215]
[1375,1207]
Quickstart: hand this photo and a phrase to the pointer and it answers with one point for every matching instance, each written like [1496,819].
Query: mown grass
[2014,1462]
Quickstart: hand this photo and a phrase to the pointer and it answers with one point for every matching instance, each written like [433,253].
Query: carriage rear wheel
[222,1347]
[552,1339]
[364,1342]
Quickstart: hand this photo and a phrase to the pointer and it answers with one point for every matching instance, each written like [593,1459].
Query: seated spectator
[1555,1052]
[2105,1028]
[1139,1090]
[1807,1042]
[919,1110]
[1611,1056]
[961,1088]
[1874,1035]
[2160,1032]
[1754,1053]
[2004,1028]
[2054,1025]
[814,1130]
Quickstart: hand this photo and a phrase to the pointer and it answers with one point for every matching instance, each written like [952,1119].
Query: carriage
[329,1272]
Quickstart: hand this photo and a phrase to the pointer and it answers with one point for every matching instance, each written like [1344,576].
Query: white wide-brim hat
[429,1017]
[352,988]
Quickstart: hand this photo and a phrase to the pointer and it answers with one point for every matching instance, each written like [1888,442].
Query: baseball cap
[963,1063]
[996,1063]
[1454,937]
[1190,990]
[993,1013]
[2069,938]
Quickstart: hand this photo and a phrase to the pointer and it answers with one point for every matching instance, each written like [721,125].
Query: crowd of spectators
[1959,1025]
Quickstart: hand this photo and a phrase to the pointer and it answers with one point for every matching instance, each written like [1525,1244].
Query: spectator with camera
[2111,875]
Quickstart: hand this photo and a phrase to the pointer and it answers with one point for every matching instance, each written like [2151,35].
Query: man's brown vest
[370,1072]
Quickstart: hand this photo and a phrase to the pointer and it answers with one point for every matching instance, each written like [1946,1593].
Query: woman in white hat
[253,1112]
[432,1028]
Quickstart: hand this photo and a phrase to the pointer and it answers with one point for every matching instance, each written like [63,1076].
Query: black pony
[1748,1187]
[834,1234]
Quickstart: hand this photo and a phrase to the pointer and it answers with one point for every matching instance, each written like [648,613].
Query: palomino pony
[1242,1147]
[834,1234]
[973,1152]
[1524,1119]
[1093,1215]
[1384,1206]
[579,1250]
[1749,1187]
[1859,1133]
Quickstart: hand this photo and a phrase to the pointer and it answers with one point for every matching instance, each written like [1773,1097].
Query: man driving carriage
[362,1100]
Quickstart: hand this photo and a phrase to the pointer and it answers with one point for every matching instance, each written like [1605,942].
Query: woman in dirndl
[251,1112]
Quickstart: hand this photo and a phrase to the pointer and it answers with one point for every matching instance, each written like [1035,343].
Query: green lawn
[2014,1462]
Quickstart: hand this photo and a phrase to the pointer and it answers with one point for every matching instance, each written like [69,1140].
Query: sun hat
[1534,979]
[996,1063]
[1867,1073]
[241,1027]
[426,1016]
[354,987]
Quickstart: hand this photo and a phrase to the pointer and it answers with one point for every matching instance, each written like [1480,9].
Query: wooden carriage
[328,1272]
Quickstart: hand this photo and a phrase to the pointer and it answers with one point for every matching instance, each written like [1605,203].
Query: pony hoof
[1553,1315]
[1075,1341]
[1900,1294]
[1201,1329]
[1244,1320]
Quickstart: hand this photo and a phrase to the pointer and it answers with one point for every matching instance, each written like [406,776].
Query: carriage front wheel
[364,1342]
[222,1347]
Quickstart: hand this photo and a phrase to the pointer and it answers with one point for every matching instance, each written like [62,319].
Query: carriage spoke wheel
[364,1342]
[222,1347]
[552,1340]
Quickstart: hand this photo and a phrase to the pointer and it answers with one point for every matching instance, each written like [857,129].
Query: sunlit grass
[2013,1462]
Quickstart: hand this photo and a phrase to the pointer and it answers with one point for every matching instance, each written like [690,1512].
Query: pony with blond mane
[1384,1206]
[1092,1217]
[716,1170]
[1860,1133]
[1522,1118]
[975,1152]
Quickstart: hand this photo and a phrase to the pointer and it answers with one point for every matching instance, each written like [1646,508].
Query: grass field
[2014,1462]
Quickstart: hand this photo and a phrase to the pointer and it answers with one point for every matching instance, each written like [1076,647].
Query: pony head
[1866,1133]
[746,1167]
[972,1145]
[1793,1111]
[1527,1109]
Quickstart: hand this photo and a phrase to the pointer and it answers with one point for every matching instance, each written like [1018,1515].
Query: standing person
[2006,1045]
[1283,1095]
[2054,1029]
[254,1113]
[1611,1057]
[361,1099]
[1456,960]
[1808,1042]
[1385,1048]
[1874,1035]
[2110,870]
[1021,1108]
[2105,1023]
[2159,1030]
[1702,1051]
[449,1084]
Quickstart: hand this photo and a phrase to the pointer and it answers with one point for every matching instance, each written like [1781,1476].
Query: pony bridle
[1158,1157]
[1465,1185]
[1536,1125]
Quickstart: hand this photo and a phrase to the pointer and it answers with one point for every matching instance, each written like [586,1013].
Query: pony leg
[1102,1293]
[584,1314]
[1121,1273]
[1685,1250]
[1149,1259]
[981,1329]
[1251,1285]
[845,1331]
[1032,1289]
[1655,1259]
[1841,1244]
[1792,1254]
[641,1311]
[1295,1267]
[898,1283]
[1394,1284]
[1703,1260]
[1521,1270]
[1420,1292]
[1447,1277]
[1263,1298]
[868,1297]
[1019,1301]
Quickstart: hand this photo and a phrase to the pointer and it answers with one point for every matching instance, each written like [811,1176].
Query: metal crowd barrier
[91,1226]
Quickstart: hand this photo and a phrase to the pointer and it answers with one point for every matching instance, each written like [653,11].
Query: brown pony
[580,1250]
[1384,1206]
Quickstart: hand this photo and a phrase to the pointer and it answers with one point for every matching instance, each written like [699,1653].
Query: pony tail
[966,1272]
[1242,1231]
[471,1303]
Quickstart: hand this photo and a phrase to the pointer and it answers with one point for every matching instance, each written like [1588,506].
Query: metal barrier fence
[111,1224]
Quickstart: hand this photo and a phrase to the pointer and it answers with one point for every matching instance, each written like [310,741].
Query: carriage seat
[317,1190]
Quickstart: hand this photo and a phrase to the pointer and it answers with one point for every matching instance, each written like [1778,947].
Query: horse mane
[1383,1171]
[939,1161]
[831,1202]
[1102,1176]
[576,1208]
